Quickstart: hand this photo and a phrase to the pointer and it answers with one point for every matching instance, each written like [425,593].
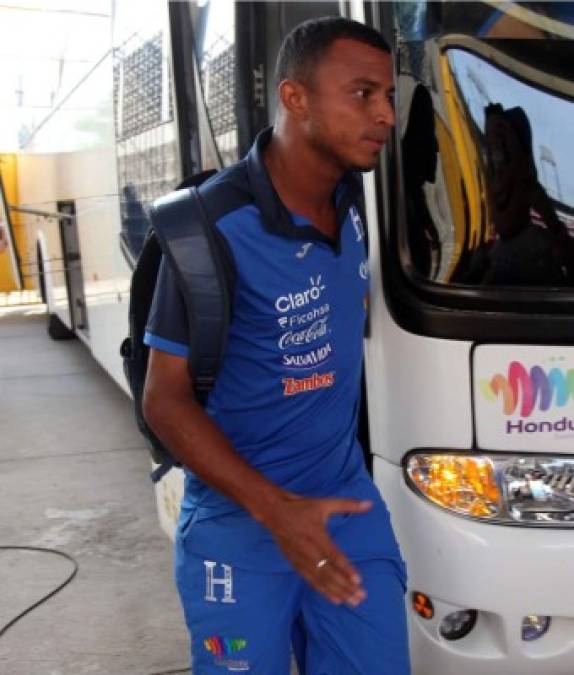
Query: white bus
[468,420]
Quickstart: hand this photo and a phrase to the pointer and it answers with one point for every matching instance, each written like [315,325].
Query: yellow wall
[8,169]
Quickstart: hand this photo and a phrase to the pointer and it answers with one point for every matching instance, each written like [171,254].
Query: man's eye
[364,92]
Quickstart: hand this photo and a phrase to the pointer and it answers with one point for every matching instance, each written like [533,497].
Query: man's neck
[304,181]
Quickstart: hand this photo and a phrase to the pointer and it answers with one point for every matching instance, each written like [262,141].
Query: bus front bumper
[505,573]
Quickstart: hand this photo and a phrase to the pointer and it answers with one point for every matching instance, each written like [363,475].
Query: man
[282,531]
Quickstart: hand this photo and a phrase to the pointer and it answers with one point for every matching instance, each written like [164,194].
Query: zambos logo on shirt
[521,389]
[292,385]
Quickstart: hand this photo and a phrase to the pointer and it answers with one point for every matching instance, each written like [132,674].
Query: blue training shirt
[288,392]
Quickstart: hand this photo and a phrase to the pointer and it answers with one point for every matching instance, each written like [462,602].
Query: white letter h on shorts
[211,581]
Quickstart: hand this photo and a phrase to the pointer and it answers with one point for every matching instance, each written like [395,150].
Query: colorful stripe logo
[527,388]
[222,646]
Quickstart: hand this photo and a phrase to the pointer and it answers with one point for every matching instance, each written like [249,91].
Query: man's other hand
[298,525]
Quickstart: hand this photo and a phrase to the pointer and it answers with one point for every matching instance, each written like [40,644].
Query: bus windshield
[486,152]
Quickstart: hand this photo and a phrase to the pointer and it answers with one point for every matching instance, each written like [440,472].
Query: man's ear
[294,98]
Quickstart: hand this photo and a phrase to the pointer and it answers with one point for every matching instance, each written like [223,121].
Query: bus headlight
[461,483]
[457,625]
[534,627]
[534,490]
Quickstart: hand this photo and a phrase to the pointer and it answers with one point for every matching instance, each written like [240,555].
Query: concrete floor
[74,476]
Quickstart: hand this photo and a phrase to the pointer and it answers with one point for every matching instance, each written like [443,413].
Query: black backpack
[182,233]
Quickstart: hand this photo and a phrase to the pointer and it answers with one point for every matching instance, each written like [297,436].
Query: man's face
[350,104]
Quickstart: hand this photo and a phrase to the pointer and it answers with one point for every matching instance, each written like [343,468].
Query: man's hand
[299,527]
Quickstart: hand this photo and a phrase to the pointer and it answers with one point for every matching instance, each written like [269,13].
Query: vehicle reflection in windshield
[531,245]
[487,162]
[420,149]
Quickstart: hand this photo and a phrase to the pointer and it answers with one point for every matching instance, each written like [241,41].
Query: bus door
[236,46]
[73,264]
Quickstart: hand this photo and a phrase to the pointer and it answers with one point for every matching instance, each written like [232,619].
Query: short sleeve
[167,327]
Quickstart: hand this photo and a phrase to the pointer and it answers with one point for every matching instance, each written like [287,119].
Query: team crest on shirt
[357,223]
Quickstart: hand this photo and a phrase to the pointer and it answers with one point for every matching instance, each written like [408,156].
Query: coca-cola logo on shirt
[316,330]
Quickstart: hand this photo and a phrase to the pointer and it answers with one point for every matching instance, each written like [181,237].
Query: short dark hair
[305,46]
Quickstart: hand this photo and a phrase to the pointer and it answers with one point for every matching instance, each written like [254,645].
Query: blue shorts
[242,620]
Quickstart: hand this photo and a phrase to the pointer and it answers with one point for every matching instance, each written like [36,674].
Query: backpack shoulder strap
[193,248]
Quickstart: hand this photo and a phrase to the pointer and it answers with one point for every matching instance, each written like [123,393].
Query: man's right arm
[298,524]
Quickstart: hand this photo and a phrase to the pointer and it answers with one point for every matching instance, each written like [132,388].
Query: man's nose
[385,112]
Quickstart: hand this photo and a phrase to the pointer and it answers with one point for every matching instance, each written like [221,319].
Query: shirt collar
[277,219]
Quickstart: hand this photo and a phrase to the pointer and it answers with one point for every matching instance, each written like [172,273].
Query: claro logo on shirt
[291,301]
[292,385]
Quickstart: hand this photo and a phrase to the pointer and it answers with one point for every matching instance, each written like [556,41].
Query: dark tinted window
[487,146]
